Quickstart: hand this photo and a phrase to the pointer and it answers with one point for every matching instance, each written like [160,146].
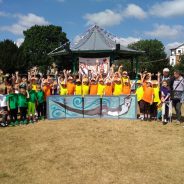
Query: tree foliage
[11,57]
[39,41]
[154,59]
[180,66]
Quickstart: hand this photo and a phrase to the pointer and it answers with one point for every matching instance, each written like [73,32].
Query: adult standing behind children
[178,90]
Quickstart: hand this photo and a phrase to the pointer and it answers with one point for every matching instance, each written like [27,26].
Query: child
[139,92]
[85,87]
[93,87]
[62,88]
[70,86]
[22,104]
[117,87]
[108,88]
[12,104]
[165,98]
[3,108]
[101,87]
[32,104]
[159,111]
[156,99]
[47,89]
[40,102]
[125,77]
[126,88]
[78,87]
[147,98]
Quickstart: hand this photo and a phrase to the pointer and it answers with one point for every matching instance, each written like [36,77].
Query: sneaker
[165,122]
[12,124]
[142,118]
[16,123]
[25,122]
[30,121]
[177,121]
[3,124]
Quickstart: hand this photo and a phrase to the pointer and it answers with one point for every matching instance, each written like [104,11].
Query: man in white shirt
[178,90]
[3,108]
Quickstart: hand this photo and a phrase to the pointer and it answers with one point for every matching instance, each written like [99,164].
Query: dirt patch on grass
[92,151]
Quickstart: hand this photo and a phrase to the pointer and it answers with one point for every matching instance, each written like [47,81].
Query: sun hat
[85,80]
[125,72]
[139,82]
[63,83]
[70,78]
[166,70]
[155,82]
[149,81]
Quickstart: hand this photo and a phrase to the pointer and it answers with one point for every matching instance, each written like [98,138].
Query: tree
[180,65]
[39,41]
[154,59]
[11,58]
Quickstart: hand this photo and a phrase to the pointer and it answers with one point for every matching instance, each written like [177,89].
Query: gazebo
[95,43]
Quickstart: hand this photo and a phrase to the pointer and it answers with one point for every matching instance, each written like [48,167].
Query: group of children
[23,99]
[153,97]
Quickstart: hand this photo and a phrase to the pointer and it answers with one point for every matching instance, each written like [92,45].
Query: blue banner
[110,107]
[74,106]
[92,107]
[117,107]
[56,107]
[128,107]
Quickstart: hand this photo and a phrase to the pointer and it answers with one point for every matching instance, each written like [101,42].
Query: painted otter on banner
[123,108]
[120,110]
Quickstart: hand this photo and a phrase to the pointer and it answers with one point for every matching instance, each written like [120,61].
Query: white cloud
[168,8]
[104,18]
[24,22]
[31,19]
[112,17]
[166,31]
[19,41]
[133,10]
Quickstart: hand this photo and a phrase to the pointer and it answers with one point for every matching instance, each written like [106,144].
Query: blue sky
[130,20]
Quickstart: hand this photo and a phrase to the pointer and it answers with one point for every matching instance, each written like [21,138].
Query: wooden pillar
[132,67]
[136,67]
[74,63]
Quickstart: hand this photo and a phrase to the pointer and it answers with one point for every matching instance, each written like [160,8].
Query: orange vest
[70,88]
[108,90]
[93,89]
[126,90]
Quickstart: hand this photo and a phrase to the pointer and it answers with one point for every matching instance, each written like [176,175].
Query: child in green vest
[40,102]
[32,104]
[12,104]
[23,97]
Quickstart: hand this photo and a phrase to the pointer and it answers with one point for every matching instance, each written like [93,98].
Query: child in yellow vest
[117,87]
[125,77]
[62,88]
[85,87]
[139,92]
[101,87]
[78,87]
[156,99]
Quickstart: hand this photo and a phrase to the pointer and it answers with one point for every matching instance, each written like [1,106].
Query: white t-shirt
[3,100]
